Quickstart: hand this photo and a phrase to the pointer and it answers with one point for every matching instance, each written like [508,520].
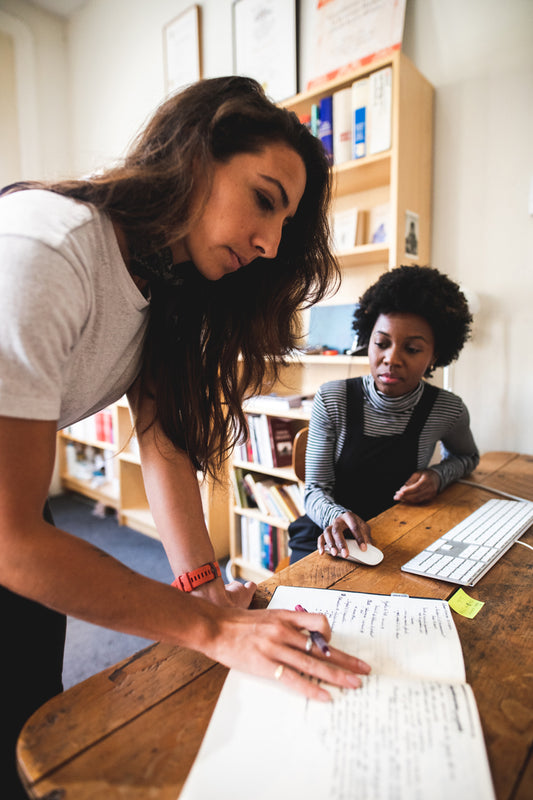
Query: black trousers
[30,672]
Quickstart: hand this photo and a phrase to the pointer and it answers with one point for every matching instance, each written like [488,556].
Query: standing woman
[174,277]
[371,439]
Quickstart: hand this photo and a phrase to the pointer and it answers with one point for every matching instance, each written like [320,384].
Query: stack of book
[270,441]
[97,428]
[282,500]
[262,545]
[355,121]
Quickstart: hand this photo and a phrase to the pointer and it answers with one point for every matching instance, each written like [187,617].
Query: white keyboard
[467,551]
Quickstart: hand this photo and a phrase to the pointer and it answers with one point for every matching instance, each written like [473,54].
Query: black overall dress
[370,469]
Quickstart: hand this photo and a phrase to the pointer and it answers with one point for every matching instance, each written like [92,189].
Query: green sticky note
[465,605]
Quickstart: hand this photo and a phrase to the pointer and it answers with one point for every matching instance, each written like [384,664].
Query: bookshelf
[119,483]
[259,518]
[401,177]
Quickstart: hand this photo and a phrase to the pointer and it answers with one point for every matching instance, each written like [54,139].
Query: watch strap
[204,574]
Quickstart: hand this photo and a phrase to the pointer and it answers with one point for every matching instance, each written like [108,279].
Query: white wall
[39,41]
[479,56]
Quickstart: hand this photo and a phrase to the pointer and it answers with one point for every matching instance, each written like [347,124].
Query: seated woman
[371,439]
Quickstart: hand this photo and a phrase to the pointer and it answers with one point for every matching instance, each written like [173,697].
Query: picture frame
[182,54]
[412,234]
[265,44]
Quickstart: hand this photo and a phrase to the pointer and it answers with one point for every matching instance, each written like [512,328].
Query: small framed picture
[411,234]
[182,50]
[265,45]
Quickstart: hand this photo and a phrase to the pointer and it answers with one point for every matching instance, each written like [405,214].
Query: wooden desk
[132,731]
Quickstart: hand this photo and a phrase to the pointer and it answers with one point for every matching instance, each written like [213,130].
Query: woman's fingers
[276,644]
[304,670]
[296,660]
[333,538]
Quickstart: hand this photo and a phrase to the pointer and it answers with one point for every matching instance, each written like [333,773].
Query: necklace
[159,266]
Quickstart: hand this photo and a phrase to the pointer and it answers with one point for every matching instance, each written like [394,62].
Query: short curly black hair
[423,291]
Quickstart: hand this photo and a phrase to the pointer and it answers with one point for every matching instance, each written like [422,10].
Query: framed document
[181,50]
[348,33]
[265,45]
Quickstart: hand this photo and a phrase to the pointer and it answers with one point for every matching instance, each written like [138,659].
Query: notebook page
[404,637]
[389,739]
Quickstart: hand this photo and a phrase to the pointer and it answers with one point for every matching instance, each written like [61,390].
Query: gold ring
[309,644]
[279,672]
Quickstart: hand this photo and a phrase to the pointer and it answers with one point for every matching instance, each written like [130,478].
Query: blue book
[325,129]
[359,111]
[266,545]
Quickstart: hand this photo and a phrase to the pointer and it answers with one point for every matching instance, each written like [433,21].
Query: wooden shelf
[98,444]
[363,174]
[283,473]
[239,568]
[130,499]
[98,493]
[139,519]
[364,254]
[331,361]
[254,513]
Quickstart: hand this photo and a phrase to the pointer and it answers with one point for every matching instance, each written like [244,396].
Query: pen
[317,637]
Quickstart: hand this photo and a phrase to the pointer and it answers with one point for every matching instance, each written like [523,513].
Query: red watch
[192,580]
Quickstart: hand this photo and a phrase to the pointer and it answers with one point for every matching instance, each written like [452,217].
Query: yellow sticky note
[465,605]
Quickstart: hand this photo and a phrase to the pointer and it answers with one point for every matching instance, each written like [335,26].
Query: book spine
[315,119]
[281,439]
[325,128]
[342,126]
[266,545]
[359,117]
[380,110]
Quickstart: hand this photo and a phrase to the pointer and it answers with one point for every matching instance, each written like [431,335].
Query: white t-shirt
[72,322]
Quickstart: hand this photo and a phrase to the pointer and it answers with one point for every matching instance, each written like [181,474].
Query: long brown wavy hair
[211,343]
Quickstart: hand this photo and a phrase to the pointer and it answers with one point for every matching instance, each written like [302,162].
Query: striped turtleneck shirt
[447,423]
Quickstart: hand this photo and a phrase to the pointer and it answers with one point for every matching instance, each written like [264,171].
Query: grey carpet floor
[90,648]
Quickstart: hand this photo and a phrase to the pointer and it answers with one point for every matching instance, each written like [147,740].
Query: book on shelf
[342,126]
[380,110]
[411,730]
[276,402]
[359,92]
[315,119]
[96,428]
[262,545]
[270,441]
[282,434]
[284,502]
[349,228]
[295,492]
[260,440]
[241,492]
[272,498]
[325,125]
[379,220]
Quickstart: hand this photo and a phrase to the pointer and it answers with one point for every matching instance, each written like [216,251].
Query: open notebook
[411,731]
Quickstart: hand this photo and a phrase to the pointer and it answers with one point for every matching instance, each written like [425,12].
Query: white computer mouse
[371,556]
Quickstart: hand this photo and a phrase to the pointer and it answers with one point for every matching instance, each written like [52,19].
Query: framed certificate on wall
[265,44]
[182,50]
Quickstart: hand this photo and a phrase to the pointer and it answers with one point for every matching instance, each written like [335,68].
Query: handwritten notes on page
[412,731]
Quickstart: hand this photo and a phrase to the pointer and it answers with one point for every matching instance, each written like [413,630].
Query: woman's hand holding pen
[278,645]
[333,537]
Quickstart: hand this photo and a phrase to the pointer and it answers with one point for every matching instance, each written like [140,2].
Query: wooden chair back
[298,453]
